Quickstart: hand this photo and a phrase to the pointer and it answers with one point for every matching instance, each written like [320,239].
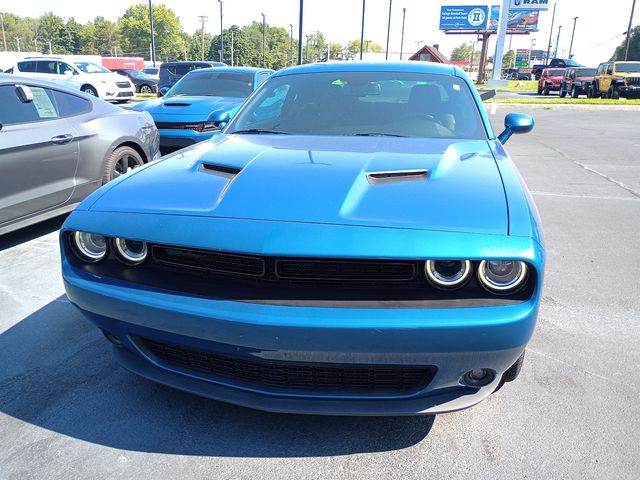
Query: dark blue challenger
[355,241]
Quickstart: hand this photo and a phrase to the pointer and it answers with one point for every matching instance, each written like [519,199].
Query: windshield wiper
[260,131]
[375,134]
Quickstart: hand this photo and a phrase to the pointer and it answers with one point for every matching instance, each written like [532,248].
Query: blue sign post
[467,17]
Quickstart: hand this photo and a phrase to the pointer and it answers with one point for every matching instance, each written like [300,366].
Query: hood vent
[176,104]
[220,170]
[396,176]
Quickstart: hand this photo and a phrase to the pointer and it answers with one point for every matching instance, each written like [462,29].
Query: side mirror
[24,93]
[163,91]
[221,119]
[515,123]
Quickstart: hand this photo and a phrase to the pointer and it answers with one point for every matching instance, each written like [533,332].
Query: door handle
[62,139]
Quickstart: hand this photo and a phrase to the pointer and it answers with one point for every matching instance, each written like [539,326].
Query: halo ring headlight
[133,252]
[447,273]
[89,247]
[502,276]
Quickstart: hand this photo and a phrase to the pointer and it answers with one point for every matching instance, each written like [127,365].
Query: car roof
[231,69]
[357,66]
[195,62]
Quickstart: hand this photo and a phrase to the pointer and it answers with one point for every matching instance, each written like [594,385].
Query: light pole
[362,29]
[4,37]
[386,55]
[404,11]
[553,17]
[264,56]
[231,46]
[221,34]
[306,53]
[203,18]
[557,42]
[153,42]
[573,32]
[626,42]
[291,45]
[18,42]
[300,34]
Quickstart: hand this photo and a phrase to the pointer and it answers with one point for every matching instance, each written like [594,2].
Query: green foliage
[634,47]
[462,53]
[508,59]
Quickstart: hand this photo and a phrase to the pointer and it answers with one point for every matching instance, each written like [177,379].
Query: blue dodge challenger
[355,241]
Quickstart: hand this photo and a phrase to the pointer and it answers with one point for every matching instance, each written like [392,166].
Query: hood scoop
[176,104]
[220,170]
[396,176]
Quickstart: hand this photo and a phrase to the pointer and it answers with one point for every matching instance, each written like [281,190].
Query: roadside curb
[563,106]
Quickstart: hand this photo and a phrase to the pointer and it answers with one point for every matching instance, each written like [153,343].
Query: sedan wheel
[145,89]
[121,161]
[89,90]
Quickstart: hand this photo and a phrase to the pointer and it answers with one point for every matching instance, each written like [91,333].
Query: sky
[599,27]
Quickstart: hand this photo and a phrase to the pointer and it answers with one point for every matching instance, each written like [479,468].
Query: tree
[461,53]
[50,29]
[509,59]
[352,50]
[634,47]
[135,29]
[71,41]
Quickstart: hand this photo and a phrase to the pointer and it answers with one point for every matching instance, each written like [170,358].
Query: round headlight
[131,251]
[502,276]
[90,247]
[447,273]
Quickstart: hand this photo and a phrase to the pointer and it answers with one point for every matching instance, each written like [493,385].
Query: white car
[85,76]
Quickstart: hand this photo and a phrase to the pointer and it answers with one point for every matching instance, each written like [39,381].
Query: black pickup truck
[536,71]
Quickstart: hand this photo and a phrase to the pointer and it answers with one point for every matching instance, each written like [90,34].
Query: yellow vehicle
[615,80]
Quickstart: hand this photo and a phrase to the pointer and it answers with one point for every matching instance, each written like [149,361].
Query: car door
[605,78]
[38,152]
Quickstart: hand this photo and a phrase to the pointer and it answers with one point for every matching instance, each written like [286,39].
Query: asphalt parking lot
[67,410]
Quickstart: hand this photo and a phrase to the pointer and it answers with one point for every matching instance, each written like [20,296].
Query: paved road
[68,411]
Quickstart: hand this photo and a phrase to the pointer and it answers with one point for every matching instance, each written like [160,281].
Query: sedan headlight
[447,273]
[89,247]
[133,252]
[502,276]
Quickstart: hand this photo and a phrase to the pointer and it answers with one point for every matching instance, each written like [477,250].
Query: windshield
[136,74]
[363,103]
[214,84]
[555,73]
[571,63]
[586,72]
[628,67]
[87,67]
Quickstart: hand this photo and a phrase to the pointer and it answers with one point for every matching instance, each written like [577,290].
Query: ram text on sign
[529,5]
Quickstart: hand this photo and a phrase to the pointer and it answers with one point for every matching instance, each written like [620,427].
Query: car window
[556,73]
[180,69]
[262,77]
[27,66]
[14,111]
[88,67]
[69,105]
[65,69]
[365,103]
[609,69]
[628,67]
[48,67]
[214,84]
[586,72]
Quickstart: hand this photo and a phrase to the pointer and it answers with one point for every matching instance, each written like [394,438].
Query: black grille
[206,260]
[179,126]
[294,377]
[123,84]
[635,81]
[344,270]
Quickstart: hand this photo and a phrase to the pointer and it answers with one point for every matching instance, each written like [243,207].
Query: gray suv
[57,145]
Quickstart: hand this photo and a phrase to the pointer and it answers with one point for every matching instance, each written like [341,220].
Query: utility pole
[300,34]
[362,29]
[264,45]
[4,37]
[18,42]
[221,34]
[404,12]
[203,18]
[557,42]
[153,42]
[306,53]
[291,45]
[572,34]
[35,43]
[626,42]
[553,17]
[231,47]
[502,32]
[386,54]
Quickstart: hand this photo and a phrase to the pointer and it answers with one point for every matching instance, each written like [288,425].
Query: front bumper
[183,138]
[629,90]
[452,340]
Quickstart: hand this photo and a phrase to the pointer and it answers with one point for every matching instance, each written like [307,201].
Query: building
[429,54]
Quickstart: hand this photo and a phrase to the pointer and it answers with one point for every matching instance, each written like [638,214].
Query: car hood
[323,180]
[170,107]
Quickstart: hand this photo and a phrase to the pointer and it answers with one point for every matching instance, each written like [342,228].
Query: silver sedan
[57,145]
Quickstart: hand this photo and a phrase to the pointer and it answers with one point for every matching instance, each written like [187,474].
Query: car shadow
[58,373]
[26,234]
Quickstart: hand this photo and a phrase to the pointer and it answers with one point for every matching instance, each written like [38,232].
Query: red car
[550,80]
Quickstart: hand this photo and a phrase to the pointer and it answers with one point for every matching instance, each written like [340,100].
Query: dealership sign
[529,5]
[468,17]
[520,20]
[522,58]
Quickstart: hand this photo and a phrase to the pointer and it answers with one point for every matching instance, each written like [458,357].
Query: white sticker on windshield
[456,87]
[43,103]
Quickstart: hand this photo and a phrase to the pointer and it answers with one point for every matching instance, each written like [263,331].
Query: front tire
[574,92]
[89,90]
[563,93]
[614,93]
[145,89]
[539,90]
[546,90]
[122,160]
